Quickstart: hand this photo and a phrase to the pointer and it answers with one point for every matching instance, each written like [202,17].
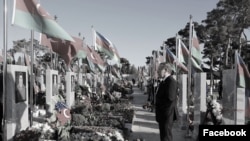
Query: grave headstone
[51,89]
[183,99]
[229,92]
[199,97]
[17,114]
[240,110]
[80,79]
[70,88]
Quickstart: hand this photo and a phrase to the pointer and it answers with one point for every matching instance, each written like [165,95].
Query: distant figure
[133,81]
[20,87]
[166,102]
[220,90]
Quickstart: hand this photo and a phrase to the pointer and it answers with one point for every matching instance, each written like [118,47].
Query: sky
[136,27]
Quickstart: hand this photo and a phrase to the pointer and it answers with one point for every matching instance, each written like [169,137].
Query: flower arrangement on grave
[36,132]
[109,111]
[89,133]
[213,114]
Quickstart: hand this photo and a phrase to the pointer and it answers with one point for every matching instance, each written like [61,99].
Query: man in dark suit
[166,102]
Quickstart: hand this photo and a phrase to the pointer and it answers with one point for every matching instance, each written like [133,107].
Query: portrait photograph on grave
[20,91]
[54,85]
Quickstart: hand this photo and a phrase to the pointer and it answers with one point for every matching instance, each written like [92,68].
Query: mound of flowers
[94,117]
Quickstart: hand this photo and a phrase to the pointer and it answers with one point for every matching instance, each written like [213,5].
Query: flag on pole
[91,64]
[66,49]
[184,54]
[29,14]
[104,45]
[172,59]
[116,57]
[115,72]
[243,75]
[196,50]
[94,57]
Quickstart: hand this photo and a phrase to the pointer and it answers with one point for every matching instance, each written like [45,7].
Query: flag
[104,45]
[183,52]
[243,75]
[184,56]
[196,50]
[115,72]
[116,56]
[63,116]
[91,65]
[29,14]
[161,57]
[66,49]
[94,57]
[172,59]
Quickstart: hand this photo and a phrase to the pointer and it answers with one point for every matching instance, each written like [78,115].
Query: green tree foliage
[221,32]
[133,70]
[224,27]
[125,65]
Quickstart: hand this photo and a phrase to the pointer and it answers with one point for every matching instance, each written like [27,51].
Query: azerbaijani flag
[29,14]
[103,44]
[196,50]
[94,57]
[116,56]
[66,49]
[184,55]
[172,59]
[91,64]
[243,75]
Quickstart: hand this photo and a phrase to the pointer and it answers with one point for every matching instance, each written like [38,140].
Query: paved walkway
[145,127]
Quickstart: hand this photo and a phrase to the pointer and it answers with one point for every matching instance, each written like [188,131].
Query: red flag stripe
[33,7]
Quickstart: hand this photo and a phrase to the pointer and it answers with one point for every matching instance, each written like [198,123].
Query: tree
[125,65]
[133,70]
[225,25]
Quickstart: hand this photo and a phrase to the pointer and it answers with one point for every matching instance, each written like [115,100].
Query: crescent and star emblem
[66,113]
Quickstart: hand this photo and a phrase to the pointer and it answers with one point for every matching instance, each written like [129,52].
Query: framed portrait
[20,86]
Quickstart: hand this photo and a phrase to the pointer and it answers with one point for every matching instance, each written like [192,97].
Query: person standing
[166,102]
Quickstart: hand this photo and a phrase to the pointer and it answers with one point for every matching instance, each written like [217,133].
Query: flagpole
[5,39]
[164,52]
[189,71]
[235,86]
[31,75]
[177,55]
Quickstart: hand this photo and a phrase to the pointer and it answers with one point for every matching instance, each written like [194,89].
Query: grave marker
[17,100]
